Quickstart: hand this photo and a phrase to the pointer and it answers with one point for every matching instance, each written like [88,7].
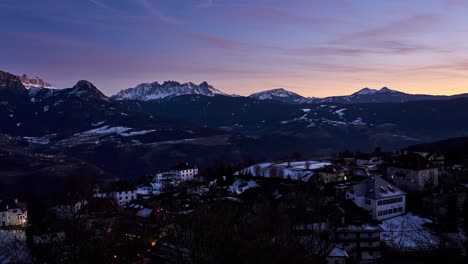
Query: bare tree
[273,172]
[257,170]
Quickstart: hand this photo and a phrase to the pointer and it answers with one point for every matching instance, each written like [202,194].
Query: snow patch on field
[37,140]
[239,186]
[136,133]
[358,121]
[340,112]
[13,248]
[98,123]
[297,170]
[407,232]
[105,130]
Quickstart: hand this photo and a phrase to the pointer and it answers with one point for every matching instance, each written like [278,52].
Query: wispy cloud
[396,37]
[274,16]
[410,25]
[148,7]
[100,4]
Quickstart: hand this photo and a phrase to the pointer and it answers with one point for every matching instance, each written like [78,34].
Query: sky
[316,48]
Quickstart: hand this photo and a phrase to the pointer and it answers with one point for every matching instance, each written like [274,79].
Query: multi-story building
[379,197]
[179,173]
[121,191]
[184,172]
[361,242]
[12,213]
[412,172]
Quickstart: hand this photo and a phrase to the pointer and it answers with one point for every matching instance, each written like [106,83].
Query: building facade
[414,179]
[361,242]
[382,199]
[122,192]
[412,172]
[12,213]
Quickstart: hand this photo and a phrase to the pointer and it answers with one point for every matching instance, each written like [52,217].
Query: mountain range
[154,126]
[171,89]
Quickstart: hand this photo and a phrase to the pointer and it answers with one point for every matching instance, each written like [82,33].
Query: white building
[12,213]
[379,197]
[184,172]
[413,172]
[121,191]
[179,173]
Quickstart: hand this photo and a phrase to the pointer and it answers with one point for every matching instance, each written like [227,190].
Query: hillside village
[349,209]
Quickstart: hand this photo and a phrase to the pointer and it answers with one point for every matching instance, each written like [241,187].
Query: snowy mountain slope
[168,89]
[279,94]
[365,95]
[35,82]
[81,112]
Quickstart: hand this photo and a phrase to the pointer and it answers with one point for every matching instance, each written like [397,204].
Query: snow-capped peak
[35,82]
[366,91]
[168,89]
[278,93]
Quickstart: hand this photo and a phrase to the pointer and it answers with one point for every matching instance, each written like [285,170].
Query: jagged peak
[168,89]
[35,82]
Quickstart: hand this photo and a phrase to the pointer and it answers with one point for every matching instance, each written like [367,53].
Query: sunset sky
[315,48]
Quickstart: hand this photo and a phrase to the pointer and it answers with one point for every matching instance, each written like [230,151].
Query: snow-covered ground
[13,248]
[297,170]
[407,232]
[119,130]
[239,186]
[105,130]
[340,112]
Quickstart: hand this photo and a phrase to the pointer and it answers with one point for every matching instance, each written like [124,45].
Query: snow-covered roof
[376,187]
[407,232]
[295,170]
[338,251]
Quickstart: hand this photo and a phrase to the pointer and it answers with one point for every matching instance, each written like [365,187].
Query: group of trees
[259,227]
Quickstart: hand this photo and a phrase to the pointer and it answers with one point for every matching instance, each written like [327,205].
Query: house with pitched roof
[337,255]
[381,198]
[121,191]
[12,213]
